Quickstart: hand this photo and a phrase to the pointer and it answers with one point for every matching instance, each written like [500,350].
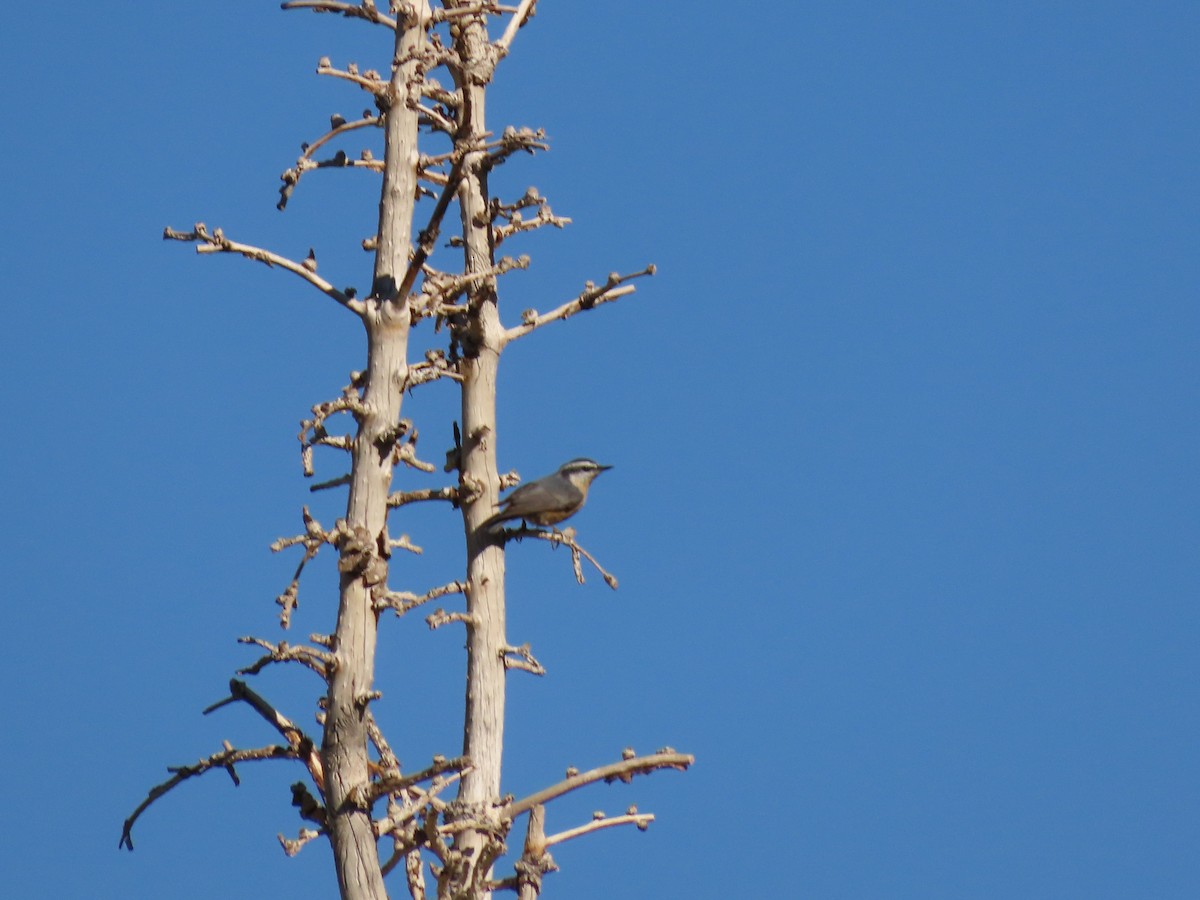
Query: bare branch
[428,236]
[310,808]
[522,658]
[313,432]
[338,126]
[292,733]
[313,539]
[440,617]
[225,759]
[566,537]
[405,543]
[407,453]
[431,89]
[600,821]
[365,10]
[414,871]
[473,9]
[435,119]
[397,783]
[309,657]
[513,140]
[516,223]
[592,296]
[440,291]
[340,481]
[216,242]
[404,601]
[292,847]
[620,771]
[434,367]
[524,12]
[370,81]
[535,862]
[400,498]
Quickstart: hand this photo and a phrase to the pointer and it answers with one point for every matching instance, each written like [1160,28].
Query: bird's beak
[605,468]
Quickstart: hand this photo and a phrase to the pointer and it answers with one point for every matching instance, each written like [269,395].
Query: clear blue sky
[905,433]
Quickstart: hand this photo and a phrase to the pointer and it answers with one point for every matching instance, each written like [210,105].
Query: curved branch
[226,759]
[216,242]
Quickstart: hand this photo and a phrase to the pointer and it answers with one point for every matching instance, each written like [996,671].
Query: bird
[552,499]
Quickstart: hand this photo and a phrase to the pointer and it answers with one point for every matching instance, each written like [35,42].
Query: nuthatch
[552,499]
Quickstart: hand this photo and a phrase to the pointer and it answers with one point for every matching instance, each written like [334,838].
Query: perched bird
[552,499]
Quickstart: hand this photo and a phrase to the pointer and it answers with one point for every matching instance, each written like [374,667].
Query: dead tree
[376,817]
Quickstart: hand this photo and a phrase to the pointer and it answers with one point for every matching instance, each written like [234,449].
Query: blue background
[905,433]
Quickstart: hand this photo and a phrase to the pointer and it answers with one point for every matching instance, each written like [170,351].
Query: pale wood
[387,319]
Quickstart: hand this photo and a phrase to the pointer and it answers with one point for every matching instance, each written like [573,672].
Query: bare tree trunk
[483,735]
[364,551]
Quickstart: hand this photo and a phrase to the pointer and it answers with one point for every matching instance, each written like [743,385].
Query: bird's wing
[536,497]
[519,503]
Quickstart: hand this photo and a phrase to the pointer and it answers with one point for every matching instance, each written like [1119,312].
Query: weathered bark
[482,340]
[364,550]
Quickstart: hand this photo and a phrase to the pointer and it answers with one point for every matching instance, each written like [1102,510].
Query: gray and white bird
[552,499]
